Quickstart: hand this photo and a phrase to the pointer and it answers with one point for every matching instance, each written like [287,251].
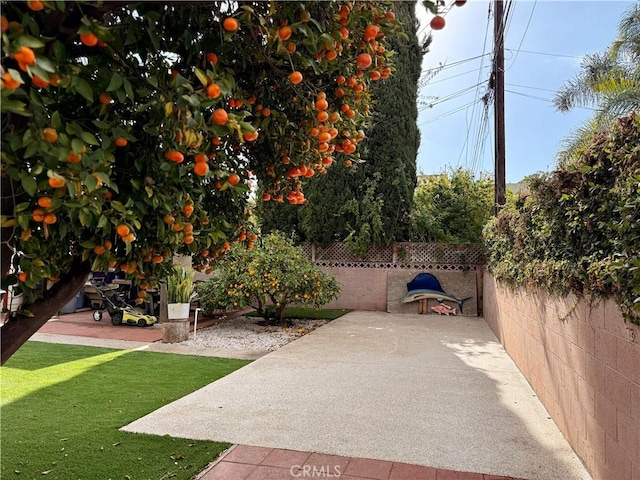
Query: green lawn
[62,406]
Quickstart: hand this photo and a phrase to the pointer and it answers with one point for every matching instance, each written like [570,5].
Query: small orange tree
[268,278]
[131,130]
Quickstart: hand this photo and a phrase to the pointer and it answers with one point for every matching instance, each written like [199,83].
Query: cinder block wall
[584,365]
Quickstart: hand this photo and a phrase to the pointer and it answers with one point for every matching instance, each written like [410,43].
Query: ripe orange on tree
[371,32]
[174,156]
[104,98]
[22,276]
[250,137]
[74,157]
[220,116]
[35,5]
[37,215]
[295,77]
[230,24]
[50,218]
[437,22]
[44,202]
[9,82]
[123,230]
[57,182]
[322,104]
[188,210]
[234,179]
[324,137]
[50,135]
[201,169]
[284,33]
[200,158]
[89,39]
[266,112]
[363,61]
[39,82]
[188,239]
[99,249]
[213,90]
[25,55]
[212,58]
[121,142]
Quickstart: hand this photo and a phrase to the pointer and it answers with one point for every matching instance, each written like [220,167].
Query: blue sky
[560,32]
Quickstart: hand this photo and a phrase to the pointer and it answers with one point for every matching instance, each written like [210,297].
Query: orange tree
[268,278]
[131,130]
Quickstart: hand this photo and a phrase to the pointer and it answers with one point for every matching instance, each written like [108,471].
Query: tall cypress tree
[388,177]
[393,141]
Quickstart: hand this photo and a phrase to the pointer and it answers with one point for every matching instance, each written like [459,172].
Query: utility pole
[498,114]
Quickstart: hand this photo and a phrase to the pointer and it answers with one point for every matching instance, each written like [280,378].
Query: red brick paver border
[243,462]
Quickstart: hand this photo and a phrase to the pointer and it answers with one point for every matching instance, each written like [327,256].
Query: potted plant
[179,292]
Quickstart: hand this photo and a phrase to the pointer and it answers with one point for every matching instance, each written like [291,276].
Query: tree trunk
[17,330]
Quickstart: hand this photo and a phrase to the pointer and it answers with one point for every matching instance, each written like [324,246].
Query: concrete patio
[425,390]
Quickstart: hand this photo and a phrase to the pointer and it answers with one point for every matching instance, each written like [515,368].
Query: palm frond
[628,41]
[577,142]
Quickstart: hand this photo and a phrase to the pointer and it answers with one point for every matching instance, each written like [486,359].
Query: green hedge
[577,229]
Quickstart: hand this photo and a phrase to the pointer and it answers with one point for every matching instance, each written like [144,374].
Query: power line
[446,114]
[454,64]
[544,53]
[526,29]
[548,100]
[454,76]
[532,88]
[470,120]
[451,96]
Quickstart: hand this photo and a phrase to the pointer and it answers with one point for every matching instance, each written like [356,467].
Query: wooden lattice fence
[404,255]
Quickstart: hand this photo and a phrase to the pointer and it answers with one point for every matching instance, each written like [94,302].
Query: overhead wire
[548,100]
[526,29]
[479,97]
[446,114]
[451,96]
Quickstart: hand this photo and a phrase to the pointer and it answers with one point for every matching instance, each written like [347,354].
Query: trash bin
[74,303]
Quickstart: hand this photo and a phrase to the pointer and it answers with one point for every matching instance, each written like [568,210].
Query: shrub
[268,277]
[577,229]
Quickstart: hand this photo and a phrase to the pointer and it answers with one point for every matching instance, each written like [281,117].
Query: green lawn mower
[120,311]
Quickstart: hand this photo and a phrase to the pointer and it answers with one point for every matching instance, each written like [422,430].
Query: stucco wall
[362,288]
[584,365]
[380,289]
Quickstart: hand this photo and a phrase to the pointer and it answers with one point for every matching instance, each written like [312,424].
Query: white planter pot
[178,311]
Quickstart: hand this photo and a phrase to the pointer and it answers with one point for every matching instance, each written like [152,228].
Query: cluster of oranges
[328,132]
[44,213]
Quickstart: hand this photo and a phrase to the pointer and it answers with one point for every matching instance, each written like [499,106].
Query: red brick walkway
[82,324]
[243,462]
